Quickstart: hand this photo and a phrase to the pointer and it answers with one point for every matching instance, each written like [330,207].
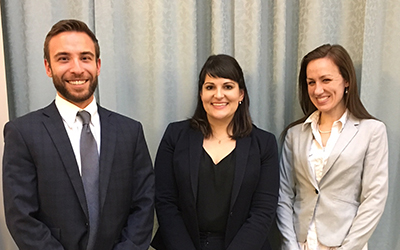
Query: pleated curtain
[153,50]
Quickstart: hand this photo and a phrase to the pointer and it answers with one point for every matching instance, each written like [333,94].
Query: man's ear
[48,68]
[98,66]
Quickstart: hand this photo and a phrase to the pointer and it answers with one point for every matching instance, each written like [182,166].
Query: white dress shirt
[73,124]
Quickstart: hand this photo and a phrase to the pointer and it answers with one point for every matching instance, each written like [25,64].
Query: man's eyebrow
[61,54]
[87,53]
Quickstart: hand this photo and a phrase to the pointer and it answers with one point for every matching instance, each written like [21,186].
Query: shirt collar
[69,110]
[314,118]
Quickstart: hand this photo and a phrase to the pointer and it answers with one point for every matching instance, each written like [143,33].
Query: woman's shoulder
[297,128]
[373,122]
[180,124]
[264,140]
[176,126]
[261,133]
[371,126]
[179,128]
[368,124]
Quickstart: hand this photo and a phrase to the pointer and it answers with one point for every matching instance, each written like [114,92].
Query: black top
[214,192]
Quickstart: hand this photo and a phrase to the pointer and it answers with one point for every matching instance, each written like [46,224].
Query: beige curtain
[6,241]
[152,51]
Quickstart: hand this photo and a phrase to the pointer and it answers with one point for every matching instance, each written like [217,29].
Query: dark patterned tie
[90,174]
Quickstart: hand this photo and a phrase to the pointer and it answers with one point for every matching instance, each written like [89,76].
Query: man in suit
[61,193]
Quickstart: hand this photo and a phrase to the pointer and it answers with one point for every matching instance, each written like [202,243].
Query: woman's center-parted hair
[223,66]
[342,60]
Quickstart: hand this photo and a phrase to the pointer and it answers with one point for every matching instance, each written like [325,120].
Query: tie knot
[85,116]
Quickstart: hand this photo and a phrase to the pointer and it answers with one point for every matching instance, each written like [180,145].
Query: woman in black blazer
[217,175]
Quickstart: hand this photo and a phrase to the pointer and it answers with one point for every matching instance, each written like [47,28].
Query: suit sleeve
[253,233]
[287,194]
[138,230]
[21,200]
[172,227]
[374,191]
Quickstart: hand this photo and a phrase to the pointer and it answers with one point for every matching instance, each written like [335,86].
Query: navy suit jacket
[44,199]
[254,193]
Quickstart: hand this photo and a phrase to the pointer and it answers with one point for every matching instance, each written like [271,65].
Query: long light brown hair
[343,61]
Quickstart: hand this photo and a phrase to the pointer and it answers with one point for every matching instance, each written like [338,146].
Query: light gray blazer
[350,198]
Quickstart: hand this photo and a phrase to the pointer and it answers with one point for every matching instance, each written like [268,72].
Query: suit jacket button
[316,191]
[231,214]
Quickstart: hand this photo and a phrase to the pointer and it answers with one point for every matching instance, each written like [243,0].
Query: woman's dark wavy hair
[346,68]
[223,66]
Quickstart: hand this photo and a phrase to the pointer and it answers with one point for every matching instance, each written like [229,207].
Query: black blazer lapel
[242,153]
[195,150]
[56,129]
[107,148]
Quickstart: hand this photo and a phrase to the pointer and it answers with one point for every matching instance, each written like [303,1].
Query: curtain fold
[6,242]
[380,88]
[152,52]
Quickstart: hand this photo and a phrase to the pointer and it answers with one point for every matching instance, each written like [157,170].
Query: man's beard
[60,87]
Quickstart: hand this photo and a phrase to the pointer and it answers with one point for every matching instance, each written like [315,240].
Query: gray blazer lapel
[195,151]
[242,153]
[349,131]
[55,126]
[306,138]
[107,148]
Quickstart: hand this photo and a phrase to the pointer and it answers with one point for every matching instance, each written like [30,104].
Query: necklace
[324,132]
[219,140]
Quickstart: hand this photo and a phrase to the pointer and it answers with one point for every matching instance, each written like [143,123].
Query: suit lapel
[349,131]
[195,151]
[242,153]
[56,129]
[108,143]
[306,138]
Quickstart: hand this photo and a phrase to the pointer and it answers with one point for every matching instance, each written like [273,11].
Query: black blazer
[254,193]
[44,200]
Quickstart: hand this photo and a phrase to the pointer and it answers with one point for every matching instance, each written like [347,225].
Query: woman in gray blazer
[334,165]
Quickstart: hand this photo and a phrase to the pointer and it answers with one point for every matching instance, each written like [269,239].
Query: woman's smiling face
[326,86]
[220,97]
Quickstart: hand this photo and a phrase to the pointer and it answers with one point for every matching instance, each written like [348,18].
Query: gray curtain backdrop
[152,52]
